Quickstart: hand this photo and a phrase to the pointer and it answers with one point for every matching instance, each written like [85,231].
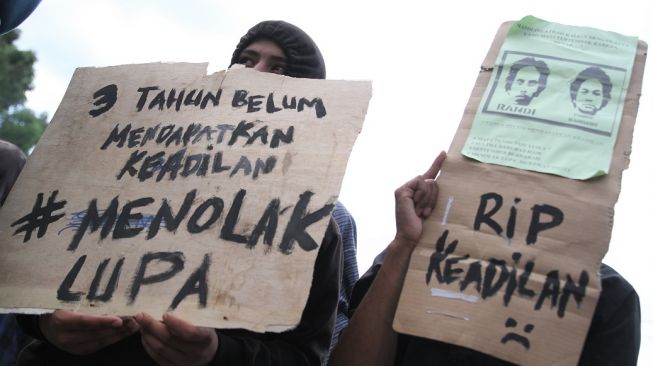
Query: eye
[597,92]
[278,69]
[247,61]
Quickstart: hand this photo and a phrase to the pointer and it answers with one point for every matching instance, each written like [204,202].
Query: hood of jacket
[304,59]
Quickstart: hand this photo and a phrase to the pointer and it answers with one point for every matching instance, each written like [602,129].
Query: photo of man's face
[589,96]
[525,85]
[526,80]
[590,91]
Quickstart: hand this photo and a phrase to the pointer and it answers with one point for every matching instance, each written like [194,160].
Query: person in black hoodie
[613,337]
[73,339]
[282,48]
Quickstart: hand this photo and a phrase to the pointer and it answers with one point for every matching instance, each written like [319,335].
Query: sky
[423,61]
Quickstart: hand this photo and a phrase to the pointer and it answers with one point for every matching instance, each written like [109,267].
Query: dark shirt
[12,339]
[307,344]
[613,337]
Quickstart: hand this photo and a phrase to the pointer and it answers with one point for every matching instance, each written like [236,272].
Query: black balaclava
[304,59]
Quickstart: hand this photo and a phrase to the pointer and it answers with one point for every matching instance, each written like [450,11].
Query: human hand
[414,202]
[177,342]
[82,334]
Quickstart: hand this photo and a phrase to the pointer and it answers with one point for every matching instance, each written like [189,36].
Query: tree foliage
[17,71]
[22,127]
[18,124]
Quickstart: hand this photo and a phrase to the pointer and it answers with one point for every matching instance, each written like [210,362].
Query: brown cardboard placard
[157,187]
[508,263]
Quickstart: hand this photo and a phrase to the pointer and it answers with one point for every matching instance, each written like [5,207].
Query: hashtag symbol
[40,217]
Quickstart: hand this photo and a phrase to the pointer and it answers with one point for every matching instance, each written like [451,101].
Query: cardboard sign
[159,188]
[508,263]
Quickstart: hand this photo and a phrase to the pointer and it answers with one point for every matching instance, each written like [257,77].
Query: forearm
[369,339]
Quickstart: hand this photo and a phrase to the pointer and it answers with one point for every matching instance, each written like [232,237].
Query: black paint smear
[227,232]
[63,292]
[172,165]
[265,167]
[512,336]
[213,98]
[105,98]
[239,99]
[197,164]
[165,214]
[197,283]
[523,280]
[536,226]
[176,260]
[299,221]
[241,131]
[474,274]
[490,288]
[278,135]
[578,292]
[134,158]
[122,229]
[267,223]
[144,92]
[94,220]
[191,99]
[135,137]
[217,164]
[118,136]
[261,133]
[112,284]
[484,218]
[270,107]
[40,217]
[439,256]
[551,288]
[320,111]
[216,204]
[289,105]
[244,165]
[191,130]
[512,220]
[151,164]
